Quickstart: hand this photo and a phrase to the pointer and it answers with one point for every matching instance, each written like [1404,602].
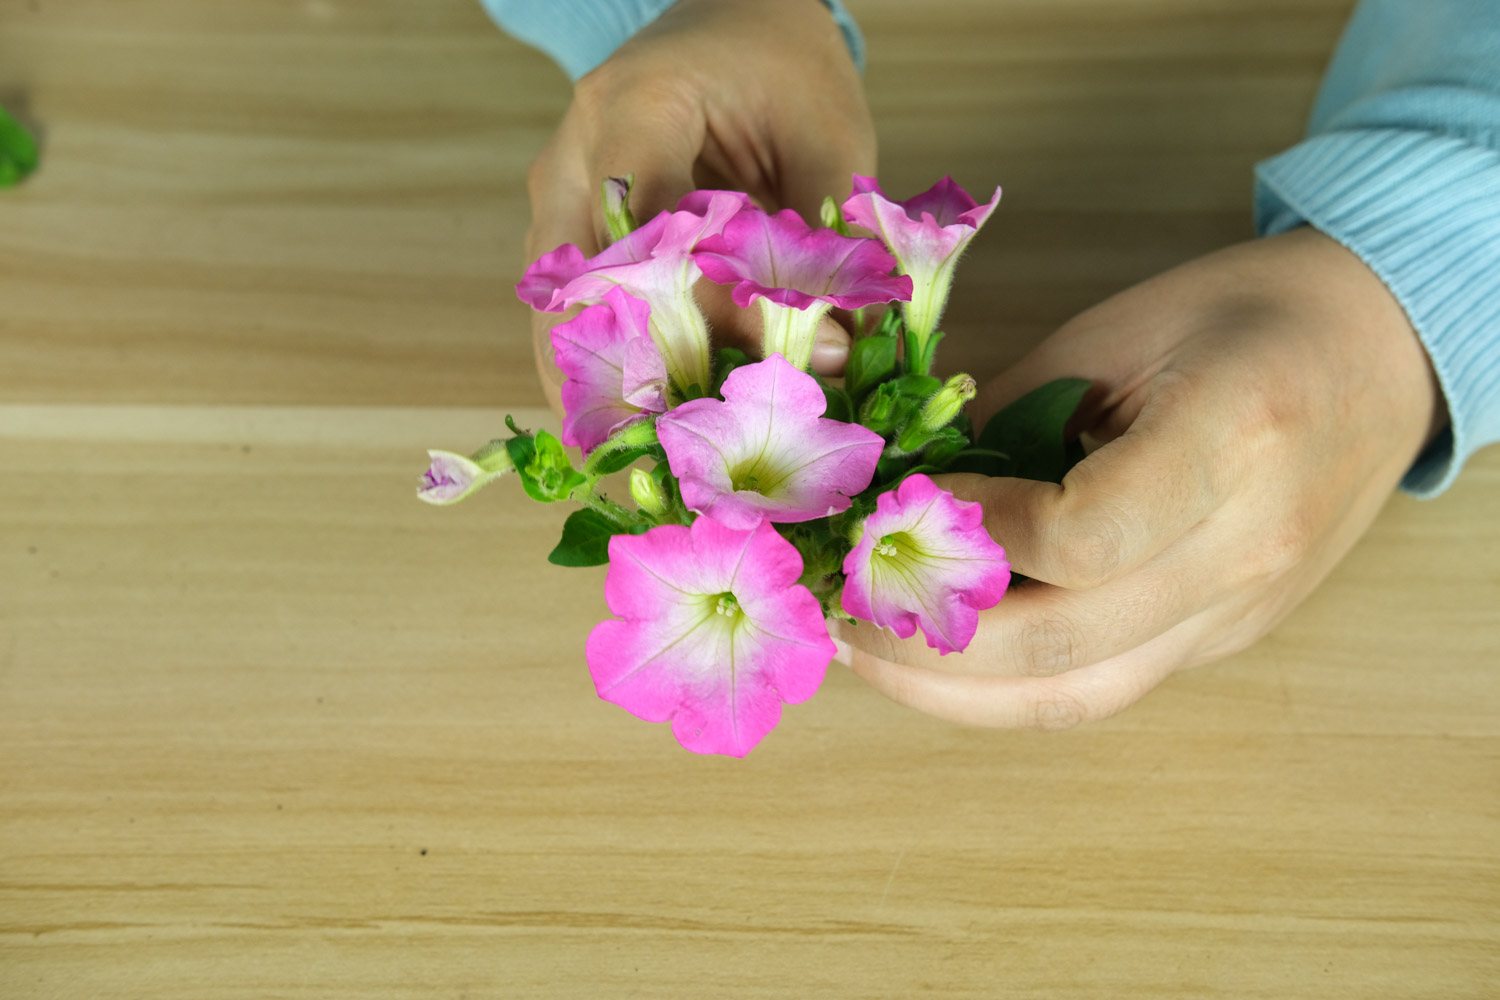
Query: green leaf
[917,387]
[836,402]
[946,444]
[585,540]
[871,360]
[1030,432]
[18,152]
[726,360]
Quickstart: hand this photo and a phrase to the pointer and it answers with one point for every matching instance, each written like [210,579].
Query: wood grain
[269,728]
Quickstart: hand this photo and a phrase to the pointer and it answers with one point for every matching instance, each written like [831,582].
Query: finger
[657,139]
[1041,631]
[823,167]
[1060,702]
[1125,502]
[560,213]
[830,348]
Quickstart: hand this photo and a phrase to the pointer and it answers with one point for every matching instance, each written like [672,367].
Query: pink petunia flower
[927,234]
[765,453]
[614,372]
[798,273]
[716,633]
[655,264]
[924,560]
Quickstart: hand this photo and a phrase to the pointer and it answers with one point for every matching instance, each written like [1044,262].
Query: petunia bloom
[614,373]
[927,234]
[797,273]
[924,560]
[765,452]
[655,264]
[716,633]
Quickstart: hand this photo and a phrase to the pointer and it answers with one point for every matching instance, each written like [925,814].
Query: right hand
[759,96]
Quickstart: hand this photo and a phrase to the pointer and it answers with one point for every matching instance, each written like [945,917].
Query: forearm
[1402,166]
[581,34]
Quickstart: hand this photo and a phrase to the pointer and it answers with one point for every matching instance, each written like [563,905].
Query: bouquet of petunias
[767,501]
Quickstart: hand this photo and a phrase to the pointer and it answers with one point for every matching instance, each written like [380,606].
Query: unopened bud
[832,217]
[647,493]
[451,477]
[615,196]
[878,412]
[940,411]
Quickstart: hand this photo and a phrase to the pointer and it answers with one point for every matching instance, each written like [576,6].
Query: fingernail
[842,653]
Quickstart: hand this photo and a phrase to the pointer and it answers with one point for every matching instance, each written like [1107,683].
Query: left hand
[1258,406]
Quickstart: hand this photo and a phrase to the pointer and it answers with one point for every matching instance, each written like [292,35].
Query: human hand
[1257,407]
[759,96]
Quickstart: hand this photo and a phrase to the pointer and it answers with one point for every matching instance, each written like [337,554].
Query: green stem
[604,506]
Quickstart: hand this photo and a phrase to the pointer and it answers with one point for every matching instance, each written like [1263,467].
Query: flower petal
[765,453]
[925,561]
[781,258]
[599,351]
[715,635]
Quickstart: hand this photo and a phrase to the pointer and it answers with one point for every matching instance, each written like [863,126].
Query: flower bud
[451,477]
[647,493]
[832,217]
[615,196]
[878,412]
[940,411]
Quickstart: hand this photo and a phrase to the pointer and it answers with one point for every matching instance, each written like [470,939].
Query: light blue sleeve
[581,34]
[1402,166]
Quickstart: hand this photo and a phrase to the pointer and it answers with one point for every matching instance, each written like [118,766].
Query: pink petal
[596,350]
[945,568]
[765,453]
[781,258]
[922,231]
[720,679]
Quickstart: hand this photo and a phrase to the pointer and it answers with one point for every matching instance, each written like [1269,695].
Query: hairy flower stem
[605,507]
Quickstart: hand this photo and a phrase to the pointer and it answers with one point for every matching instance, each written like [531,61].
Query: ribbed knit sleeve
[581,34]
[1402,166]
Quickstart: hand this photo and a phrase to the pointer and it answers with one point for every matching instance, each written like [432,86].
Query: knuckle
[1049,646]
[1281,549]
[1089,550]
[1056,710]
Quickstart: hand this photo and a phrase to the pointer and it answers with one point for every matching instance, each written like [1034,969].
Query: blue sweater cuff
[580,34]
[1423,211]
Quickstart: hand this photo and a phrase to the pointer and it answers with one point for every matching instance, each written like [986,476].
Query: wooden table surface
[270,728]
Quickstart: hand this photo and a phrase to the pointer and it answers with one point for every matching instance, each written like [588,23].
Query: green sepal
[871,361]
[542,463]
[18,151]
[1030,433]
[585,539]
[890,324]
[919,353]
